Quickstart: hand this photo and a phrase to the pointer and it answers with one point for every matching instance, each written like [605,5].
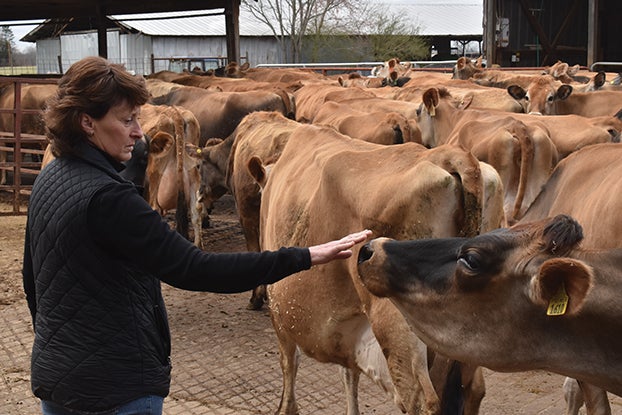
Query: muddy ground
[225,359]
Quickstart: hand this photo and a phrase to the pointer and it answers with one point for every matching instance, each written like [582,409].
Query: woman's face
[116,132]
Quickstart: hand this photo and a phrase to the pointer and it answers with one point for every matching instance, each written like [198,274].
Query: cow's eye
[526,97]
[550,98]
[470,260]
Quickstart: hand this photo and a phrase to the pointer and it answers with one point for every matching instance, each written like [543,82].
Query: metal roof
[440,18]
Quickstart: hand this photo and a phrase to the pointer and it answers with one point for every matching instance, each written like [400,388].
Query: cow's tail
[462,164]
[182,210]
[526,162]
[472,193]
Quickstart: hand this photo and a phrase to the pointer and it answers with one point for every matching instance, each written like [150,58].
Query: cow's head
[464,295]
[212,166]
[541,95]
[465,68]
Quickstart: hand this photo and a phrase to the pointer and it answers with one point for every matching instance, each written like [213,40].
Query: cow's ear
[160,143]
[258,171]
[564,91]
[213,141]
[461,63]
[341,81]
[574,69]
[430,100]
[559,70]
[516,92]
[194,151]
[599,79]
[466,101]
[562,285]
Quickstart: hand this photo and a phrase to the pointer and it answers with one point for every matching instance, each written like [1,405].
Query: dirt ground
[225,359]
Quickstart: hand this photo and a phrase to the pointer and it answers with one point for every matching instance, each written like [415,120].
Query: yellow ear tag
[558,303]
[199,151]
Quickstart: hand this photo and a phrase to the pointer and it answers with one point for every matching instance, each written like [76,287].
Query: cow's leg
[289,359]
[258,298]
[350,378]
[406,357]
[196,216]
[596,400]
[573,396]
[460,386]
[474,388]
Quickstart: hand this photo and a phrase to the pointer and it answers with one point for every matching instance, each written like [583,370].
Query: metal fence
[20,153]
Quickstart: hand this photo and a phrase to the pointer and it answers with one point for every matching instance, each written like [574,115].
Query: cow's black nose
[365,253]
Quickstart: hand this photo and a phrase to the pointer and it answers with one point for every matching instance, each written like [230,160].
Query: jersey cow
[523,154]
[525,298]
[592,176]
[324,184]
[219,113]
[172,179]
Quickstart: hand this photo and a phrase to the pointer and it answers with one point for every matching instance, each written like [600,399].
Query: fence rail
[20,153]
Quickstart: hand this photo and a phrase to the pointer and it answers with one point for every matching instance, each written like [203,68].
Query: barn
[539,33]
[151,42]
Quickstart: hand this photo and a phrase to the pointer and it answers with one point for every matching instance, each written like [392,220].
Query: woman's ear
[87,124]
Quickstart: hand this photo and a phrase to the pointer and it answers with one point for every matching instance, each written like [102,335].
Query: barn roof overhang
[37,9]
[13,10]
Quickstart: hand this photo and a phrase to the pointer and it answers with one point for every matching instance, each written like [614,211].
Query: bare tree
[289,20]
[338,30]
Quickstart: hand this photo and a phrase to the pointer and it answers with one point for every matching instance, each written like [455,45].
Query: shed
[146,42]
[539,33]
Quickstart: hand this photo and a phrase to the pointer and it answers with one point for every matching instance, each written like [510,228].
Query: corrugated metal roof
[444,17]
[434,18]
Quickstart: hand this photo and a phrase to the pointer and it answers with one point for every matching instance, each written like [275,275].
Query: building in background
[147,43]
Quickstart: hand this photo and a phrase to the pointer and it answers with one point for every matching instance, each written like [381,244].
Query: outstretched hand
[338,249]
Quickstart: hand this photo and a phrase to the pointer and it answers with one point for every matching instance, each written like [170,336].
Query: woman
[95,253]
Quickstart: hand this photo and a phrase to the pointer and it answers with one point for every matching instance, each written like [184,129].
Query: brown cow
[172,179]
[590,175]
[32,97]
[525,298]
[375,126]
[219,113]
[325,183]
[524,155]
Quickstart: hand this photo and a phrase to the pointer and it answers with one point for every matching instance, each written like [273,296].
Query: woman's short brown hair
[90,86]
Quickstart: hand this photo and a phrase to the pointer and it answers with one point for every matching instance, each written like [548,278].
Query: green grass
[17,70]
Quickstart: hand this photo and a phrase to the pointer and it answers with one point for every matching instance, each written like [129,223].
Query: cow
[546,97]
[219,113]
[466,68]
[310,98]
[529,297]
[32,97]
[325,183]
[172,179]
[524,155]
[375,126]
[568,132]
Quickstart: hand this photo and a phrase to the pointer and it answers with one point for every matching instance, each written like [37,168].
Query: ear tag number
[558,303]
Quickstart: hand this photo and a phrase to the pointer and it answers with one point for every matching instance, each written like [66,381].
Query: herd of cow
[488,193]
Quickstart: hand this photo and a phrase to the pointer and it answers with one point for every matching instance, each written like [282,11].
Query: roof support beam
[232,25]
[102,33]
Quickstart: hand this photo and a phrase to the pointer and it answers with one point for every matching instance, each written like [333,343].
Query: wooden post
[232,24]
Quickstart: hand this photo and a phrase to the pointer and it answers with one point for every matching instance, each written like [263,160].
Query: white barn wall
[48,51]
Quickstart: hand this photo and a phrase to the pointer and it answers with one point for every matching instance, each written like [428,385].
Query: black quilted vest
[101,331]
